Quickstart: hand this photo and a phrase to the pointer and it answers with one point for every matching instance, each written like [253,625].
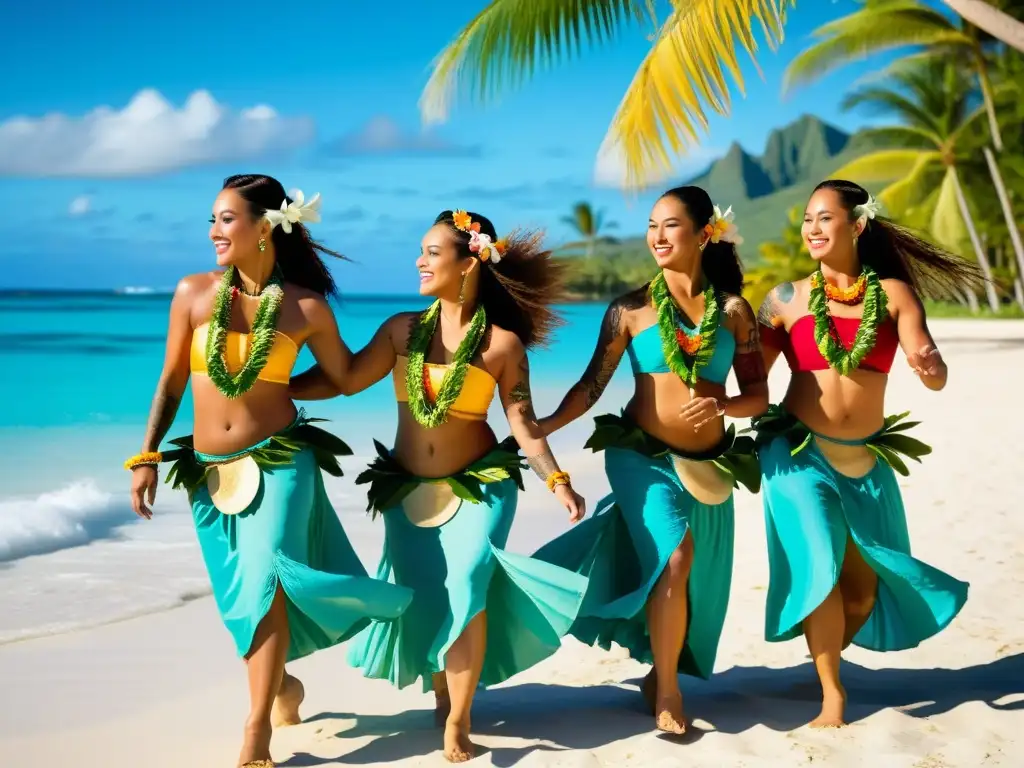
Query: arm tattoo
[161,416]
[521,391]
[771,307]
[544,465]
[605,360]
[748,362]
[749,369]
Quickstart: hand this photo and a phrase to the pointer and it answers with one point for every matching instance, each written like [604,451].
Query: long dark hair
[298,254]
[896,252]
[720,262]
[518,293]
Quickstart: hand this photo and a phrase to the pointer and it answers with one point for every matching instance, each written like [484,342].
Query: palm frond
[880,26]
[506,42]
[947,225]
[885,164]
[886,100]
[900,136]
[686,69]
[911,190]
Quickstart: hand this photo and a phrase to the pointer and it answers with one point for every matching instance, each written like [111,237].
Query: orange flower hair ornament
[479,242]
[721,227]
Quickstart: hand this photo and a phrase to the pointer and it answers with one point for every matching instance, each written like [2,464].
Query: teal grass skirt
[458,570]
[810,512]
[626,545]
[289,537]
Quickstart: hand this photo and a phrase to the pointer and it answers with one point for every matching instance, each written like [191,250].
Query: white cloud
[80,206]
[148,136]
[610,166]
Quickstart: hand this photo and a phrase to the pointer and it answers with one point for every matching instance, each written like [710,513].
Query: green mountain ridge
[760,188]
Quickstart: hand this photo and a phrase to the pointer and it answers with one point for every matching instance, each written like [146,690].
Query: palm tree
[782,261]
[884,24]
[589,224]
[932,98]
[685,72]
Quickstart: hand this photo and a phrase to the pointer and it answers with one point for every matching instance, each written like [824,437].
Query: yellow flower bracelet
[557,478]
[148,458]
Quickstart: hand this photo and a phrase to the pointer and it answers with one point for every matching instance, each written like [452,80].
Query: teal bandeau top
[646,355]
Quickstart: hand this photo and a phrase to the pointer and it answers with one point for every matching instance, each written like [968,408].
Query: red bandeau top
[801,350]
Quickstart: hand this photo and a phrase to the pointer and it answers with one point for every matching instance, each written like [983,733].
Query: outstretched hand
[572,501]
[927,361]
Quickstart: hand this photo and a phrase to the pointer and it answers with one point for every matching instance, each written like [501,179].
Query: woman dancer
[285,578]
[658,552]
[838,545]
[448,491]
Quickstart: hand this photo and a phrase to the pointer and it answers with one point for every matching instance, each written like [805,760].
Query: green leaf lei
[433,415]
[841,359]
[261,336]
[668,327]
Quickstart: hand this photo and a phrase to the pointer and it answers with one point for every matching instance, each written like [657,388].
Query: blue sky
[123,197]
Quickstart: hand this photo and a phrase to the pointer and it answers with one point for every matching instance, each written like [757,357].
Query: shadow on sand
[557,718]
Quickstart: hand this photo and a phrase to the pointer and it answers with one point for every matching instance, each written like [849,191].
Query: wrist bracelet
[557,478]
[145,459]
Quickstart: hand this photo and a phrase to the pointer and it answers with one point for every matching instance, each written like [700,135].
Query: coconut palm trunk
[1004,201]
[985,16]
[986,268]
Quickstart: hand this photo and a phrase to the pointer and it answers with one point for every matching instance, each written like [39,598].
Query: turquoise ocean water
[77,372]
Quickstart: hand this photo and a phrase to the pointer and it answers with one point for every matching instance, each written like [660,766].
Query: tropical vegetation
[949,161]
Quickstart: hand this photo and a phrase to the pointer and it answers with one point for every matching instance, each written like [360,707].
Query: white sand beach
[165,690]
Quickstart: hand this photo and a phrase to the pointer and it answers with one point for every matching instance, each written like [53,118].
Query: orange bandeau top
[473,401]
[279,363]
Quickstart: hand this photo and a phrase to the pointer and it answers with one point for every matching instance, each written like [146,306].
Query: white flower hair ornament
[295,212]
[482,246]
[721,227]
[487,250]
[868,210]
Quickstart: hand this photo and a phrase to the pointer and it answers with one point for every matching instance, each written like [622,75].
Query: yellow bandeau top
[473,401]
[279,363]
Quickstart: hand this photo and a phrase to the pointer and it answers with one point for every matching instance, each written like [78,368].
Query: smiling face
[233,230]
[827,229]
[441,263]
[672,235]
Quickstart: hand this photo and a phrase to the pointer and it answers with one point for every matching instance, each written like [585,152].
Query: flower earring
[263,244]
[462,289]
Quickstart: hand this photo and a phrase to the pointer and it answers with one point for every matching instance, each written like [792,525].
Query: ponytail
[894,251]
[720,262]
[298,254]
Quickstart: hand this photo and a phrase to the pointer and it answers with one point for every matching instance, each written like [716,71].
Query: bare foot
[286,706]
[457,746]
[669,716]
[833,706]
[649,690]
[442,708]
[256,746]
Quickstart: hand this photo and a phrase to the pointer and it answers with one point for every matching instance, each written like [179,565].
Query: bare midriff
[841,407]
[224,426]
[844,407]
[441,451]
[655,406]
